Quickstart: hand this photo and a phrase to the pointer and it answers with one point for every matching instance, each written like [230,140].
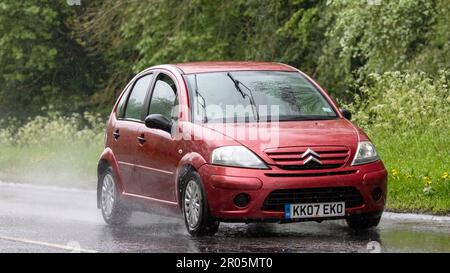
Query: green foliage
[404,102]
[79,58]
[133,35]
[41,62]
[215,30]
[395,35]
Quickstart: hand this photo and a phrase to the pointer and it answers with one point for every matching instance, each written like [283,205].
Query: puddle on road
[406,241]
[416,237]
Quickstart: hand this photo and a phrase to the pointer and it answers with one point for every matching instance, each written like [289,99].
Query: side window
[164,97]
[121,105]
[137,97]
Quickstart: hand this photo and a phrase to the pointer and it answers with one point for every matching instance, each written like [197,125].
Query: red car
[236,142]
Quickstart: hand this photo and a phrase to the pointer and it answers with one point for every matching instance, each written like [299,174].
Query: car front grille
[278,198]
[290,158]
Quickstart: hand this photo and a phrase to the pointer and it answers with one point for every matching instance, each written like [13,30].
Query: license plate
[314,210]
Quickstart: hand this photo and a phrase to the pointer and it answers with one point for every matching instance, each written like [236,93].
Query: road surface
[48,219]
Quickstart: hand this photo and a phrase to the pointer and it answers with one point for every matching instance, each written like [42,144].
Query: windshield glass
[256,96]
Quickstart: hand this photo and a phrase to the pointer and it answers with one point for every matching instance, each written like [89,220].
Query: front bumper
[223,184]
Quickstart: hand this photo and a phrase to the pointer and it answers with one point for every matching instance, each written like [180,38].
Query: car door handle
[141,139]
[116,134]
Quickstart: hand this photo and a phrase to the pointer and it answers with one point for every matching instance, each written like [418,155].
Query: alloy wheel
[192,203]
[108,195]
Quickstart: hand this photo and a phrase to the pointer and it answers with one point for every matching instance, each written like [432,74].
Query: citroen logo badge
[313,156]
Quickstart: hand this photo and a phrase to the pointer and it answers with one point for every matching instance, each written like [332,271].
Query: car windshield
[256,96]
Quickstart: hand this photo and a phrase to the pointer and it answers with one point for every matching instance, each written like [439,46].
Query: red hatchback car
[236,142]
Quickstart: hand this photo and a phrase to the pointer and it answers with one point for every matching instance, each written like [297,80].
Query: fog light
[241,200]
[376,194]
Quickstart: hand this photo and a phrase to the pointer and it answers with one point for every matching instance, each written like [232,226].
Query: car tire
[197,217]
[361,222]
[113,211]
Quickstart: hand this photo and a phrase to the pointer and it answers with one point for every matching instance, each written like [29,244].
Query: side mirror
[158,121]
[346,114]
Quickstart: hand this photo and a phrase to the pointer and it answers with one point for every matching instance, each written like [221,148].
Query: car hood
[262,136]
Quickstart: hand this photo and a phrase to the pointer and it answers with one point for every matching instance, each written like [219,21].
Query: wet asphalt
[46,219]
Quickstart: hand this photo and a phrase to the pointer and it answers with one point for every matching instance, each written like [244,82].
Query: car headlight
[365,153]
[236,156]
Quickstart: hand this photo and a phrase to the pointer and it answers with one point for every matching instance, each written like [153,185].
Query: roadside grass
[70,165]
[418,167]
[53,150]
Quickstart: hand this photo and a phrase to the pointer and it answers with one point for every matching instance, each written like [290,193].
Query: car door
[126,131]
[158,156]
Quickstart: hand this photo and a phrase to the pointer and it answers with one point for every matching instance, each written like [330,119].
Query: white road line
[44,187]
[51,245]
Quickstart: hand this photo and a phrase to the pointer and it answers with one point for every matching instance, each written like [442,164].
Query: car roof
[203,67]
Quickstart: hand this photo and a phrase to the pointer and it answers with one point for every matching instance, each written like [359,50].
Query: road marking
[51,245]
[44,187]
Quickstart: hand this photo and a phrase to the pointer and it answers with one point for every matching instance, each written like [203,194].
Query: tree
[395,35]
[41,62]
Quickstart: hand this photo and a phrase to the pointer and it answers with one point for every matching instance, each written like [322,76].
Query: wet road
[45,219]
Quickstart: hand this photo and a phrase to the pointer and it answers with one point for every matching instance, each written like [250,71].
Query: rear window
[121,106]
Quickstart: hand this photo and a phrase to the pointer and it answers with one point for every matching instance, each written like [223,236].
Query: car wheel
[360,222]
[197,218]
[114,213]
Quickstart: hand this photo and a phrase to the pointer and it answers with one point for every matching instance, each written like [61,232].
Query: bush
[406,115]
[395,35]
[404,102]
[52,149]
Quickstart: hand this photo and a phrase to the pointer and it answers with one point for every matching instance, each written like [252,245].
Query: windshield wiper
[237,84]
[197,93]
